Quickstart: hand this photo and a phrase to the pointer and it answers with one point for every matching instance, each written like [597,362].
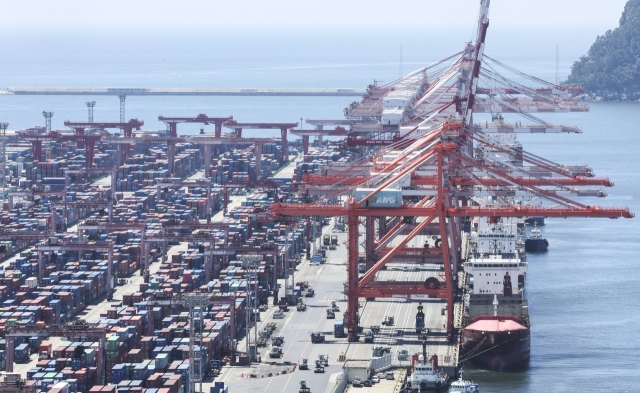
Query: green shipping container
[112,356]
[113,343]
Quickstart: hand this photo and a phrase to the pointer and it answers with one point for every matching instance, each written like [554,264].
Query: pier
[180,91]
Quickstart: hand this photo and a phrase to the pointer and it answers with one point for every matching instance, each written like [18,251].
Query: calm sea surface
[583,294]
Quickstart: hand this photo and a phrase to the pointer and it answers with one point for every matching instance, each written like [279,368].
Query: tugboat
[535,242]
[425,374]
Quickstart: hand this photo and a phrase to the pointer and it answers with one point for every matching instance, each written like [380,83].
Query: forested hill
[611,68]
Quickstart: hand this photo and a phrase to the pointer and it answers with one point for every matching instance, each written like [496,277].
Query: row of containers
[313,163]
[132,355]
[239,166]
[128,321]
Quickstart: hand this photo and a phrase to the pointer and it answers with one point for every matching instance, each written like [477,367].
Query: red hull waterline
[497,343]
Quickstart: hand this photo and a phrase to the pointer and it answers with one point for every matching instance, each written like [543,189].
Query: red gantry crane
[283,127]
[425,184]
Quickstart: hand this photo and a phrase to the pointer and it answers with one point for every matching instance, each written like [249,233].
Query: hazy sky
[47,40]
[41,15]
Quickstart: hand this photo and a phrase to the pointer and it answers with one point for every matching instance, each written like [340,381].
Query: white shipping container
[32,282]
[63,386]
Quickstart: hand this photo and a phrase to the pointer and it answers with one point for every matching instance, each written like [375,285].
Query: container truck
[338,329]
[45,351]
[419,320]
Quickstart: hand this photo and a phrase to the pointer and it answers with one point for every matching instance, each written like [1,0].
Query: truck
[309,292]
[276,352]
[334,239]
[21,353]
[403,354]
[317,258]
[379,351]
[326,240]
[362,267]
[368,337]
[304,364]
[338,329]
[324,360]
[304,387]
[301,306]
[330,314]
[283,304]
[419,319]
[44,351]
[388,321]
[317,338]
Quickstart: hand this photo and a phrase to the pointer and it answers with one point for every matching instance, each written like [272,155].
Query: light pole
[250,262]
[196,303]
[90,105]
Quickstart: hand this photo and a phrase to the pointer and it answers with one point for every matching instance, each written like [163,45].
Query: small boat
[425,373]
[535,242]
[463,386]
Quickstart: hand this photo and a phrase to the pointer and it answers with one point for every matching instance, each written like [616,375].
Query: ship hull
[497,351]
[536,245]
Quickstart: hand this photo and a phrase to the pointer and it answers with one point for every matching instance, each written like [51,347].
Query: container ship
[497,331]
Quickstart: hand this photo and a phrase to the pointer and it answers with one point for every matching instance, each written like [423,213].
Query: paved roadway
[327,280]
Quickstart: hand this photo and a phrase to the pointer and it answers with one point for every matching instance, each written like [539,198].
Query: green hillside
[611,68]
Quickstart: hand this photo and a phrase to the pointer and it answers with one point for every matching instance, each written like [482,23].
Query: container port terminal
[149,261]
